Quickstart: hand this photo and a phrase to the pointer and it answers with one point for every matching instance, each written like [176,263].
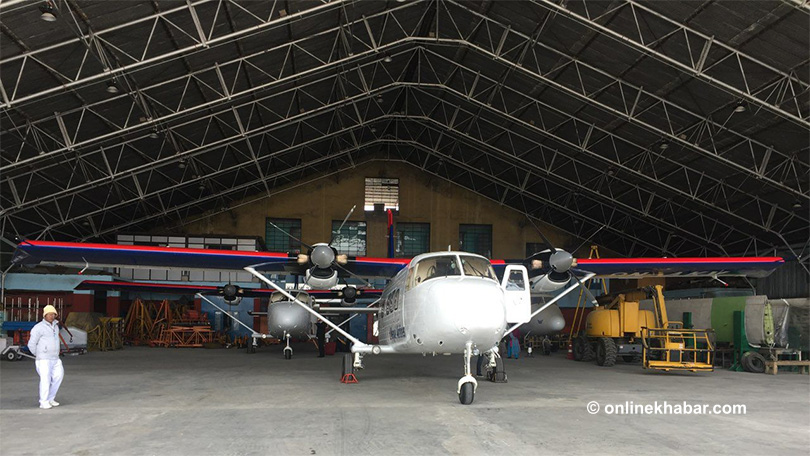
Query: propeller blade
[290,235]
[334,235]
[593,298]
[588,239]
[543,236]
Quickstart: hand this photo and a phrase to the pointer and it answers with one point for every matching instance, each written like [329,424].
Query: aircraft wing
[177,288]
[636,268]
[136,256]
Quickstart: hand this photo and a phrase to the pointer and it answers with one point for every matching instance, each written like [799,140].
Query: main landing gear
[467,384]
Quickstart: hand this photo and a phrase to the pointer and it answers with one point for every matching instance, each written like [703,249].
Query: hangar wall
[422,199]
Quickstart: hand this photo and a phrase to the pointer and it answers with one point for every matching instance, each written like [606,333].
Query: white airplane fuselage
[442,314]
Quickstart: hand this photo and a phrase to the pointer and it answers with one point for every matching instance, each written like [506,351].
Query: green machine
[746,357]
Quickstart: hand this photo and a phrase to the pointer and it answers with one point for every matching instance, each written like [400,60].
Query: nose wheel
[287,349]
[467,393]
[467,384]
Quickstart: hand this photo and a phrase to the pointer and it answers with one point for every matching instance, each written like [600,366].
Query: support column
[82,301]
[114,304]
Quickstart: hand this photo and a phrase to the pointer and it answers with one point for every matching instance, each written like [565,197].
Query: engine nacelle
[231,294]
[548,283]
[349,295]
[321,279]
[548,322]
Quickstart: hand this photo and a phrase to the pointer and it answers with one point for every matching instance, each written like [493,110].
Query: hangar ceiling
[678,128]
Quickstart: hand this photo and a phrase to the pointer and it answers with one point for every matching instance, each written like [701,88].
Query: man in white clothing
[44,344]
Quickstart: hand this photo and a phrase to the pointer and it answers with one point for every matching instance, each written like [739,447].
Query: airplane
[440,302]
[286,321]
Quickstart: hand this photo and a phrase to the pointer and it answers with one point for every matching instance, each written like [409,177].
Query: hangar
[502,128]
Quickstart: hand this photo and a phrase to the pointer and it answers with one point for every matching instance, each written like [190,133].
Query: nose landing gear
[467,384]
[287,349]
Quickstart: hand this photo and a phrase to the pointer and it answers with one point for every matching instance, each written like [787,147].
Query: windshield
[433,267]
[477,267]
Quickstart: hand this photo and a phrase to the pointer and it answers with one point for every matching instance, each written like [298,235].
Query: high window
[412,239]
[280,242]
[382,194]
[351,239]
[476,239]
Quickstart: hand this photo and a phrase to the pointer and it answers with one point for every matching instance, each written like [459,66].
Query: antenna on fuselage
[449,248]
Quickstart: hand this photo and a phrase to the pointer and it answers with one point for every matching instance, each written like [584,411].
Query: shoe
[54,404]
[46,406]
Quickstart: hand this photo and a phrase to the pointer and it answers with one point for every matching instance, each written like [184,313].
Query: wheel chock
[348,378]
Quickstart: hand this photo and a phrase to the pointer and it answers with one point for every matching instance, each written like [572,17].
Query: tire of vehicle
[579,348]
[606,352]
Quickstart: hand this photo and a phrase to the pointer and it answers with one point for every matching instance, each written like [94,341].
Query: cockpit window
[430,268]
[477,267]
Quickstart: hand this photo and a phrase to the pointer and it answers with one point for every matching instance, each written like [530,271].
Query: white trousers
[50,373]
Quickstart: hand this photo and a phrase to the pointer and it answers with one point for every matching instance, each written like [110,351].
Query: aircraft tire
[251,348]
[467,393]
[498,373]
[606,352]
[287,354]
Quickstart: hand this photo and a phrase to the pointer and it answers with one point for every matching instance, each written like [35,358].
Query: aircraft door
[517,298]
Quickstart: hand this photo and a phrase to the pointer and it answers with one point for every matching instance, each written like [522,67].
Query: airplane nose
[475,306]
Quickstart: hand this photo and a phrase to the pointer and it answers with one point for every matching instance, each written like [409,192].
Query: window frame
[349,251]
[401,253]
[376,191]
[474,227]
[292,245]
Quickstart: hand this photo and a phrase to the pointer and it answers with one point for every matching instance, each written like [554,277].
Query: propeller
[349,295]
[559,261]
[324,258]
[231,293]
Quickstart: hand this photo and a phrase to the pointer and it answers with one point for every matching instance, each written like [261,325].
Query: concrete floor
[225,402]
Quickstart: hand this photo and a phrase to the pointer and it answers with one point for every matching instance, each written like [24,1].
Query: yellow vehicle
[613,330]
[622,329]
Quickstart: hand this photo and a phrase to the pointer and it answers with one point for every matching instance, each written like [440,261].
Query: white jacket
[44,340]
